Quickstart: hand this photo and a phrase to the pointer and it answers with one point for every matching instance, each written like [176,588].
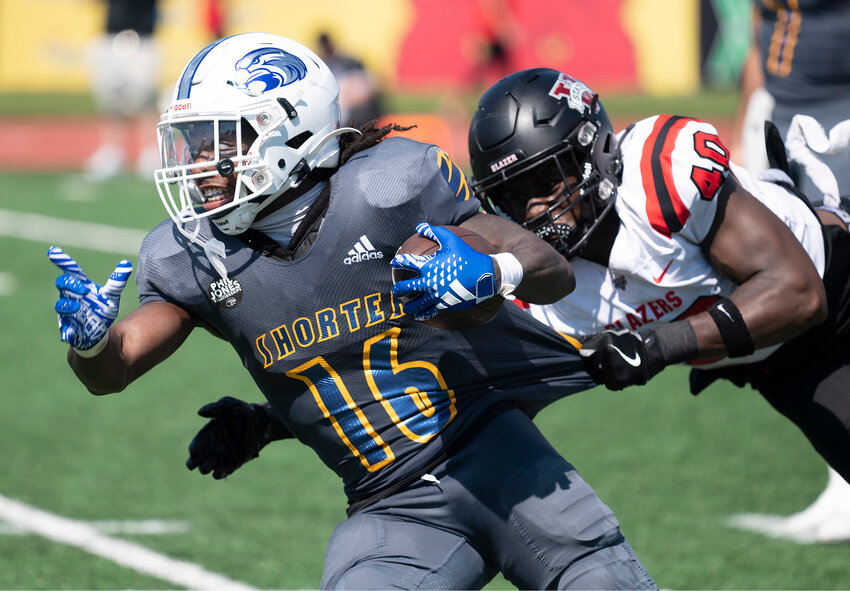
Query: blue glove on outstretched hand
[86,310]
[455,277]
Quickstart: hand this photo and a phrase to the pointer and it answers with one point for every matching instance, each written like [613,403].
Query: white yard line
[86,537]
[149,527]
[144,527]
[8,284]
[70,234]
[89,536]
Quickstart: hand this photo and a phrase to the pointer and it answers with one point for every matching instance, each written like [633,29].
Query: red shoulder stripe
[664,208]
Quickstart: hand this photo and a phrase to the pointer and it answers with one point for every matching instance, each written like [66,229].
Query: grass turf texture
[709,103]
[672,466]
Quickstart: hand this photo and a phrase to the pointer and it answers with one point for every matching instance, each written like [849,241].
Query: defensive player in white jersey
[678,254]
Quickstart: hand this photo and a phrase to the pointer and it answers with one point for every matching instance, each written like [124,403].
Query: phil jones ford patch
[227,293]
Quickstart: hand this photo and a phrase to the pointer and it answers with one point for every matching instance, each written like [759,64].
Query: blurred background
[424,61]
[93,491]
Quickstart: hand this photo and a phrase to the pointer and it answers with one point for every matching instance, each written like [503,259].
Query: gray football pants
[505,502]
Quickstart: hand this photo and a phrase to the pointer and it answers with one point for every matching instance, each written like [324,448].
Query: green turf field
[673,467]
[707,103]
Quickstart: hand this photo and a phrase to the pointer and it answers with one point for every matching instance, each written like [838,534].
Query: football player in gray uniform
[282,227]
[679,255]
[797,65]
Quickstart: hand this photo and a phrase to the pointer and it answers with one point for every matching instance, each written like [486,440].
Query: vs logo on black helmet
[578,94]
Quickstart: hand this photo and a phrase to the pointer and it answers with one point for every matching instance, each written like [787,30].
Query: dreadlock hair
[351,143]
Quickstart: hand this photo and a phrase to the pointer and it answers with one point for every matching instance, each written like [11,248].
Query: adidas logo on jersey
[362,251]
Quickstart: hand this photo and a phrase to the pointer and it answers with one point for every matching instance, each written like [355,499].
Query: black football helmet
[535,129]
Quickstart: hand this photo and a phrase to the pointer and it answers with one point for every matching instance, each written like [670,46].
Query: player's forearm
[773,312]
[137,343]
[546,275]
[779,294]
[765,310]
[105,373]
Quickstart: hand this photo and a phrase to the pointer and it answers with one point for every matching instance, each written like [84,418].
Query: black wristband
[733,330]
[675,341]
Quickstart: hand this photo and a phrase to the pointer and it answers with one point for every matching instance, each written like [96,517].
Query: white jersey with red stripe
[673,168]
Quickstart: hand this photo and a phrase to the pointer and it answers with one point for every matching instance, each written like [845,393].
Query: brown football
[460,319]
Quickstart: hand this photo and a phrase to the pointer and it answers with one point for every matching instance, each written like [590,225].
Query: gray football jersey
[375,393]
[803,47]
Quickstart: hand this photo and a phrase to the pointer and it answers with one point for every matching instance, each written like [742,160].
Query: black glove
[235,434]
[621,358]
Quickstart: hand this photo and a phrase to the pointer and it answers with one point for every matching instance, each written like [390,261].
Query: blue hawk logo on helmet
[268,68]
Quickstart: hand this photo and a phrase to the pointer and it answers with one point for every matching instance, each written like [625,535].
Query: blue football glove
[86,310]
[455,277]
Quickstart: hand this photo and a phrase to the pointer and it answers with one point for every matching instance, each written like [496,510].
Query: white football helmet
[251,115]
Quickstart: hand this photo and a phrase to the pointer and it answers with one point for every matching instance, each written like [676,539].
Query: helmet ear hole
[298,141]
